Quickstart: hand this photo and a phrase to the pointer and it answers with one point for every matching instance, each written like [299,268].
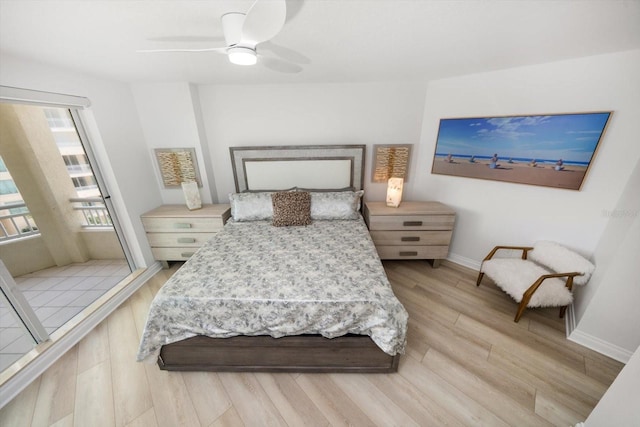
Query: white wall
[608,306]
[491,213]
[357,113]
[620,405]
[169,120]
[116,135]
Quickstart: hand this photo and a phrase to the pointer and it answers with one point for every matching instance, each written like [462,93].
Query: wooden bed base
[302,353]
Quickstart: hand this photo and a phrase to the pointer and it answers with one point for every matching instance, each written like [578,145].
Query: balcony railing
[17,224]
[93,210]
[16,220]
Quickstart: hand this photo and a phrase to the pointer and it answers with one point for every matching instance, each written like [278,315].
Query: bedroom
[133,118]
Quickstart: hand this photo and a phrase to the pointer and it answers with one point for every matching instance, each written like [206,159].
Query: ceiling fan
[243,32]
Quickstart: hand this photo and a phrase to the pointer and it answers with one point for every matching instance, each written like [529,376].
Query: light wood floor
[467,363]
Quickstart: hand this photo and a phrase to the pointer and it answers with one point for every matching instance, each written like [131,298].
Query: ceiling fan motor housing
[232,27]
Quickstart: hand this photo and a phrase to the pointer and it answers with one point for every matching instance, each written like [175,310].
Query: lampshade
[242,56]
[394,192]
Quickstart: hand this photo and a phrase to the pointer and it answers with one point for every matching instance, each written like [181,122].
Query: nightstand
[175,233]
[414,230]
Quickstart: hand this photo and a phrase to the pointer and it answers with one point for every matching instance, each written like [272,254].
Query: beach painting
[548,150]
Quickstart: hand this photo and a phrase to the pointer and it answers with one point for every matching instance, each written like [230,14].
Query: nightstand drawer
[411,222]
[173,254]
[414,230]
[178,239]
[412,252]
[181,225]
[175,233]
[409,238]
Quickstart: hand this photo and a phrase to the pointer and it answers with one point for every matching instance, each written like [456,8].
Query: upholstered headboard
[305,166]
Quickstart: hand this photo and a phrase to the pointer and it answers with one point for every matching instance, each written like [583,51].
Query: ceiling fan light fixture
[242,56]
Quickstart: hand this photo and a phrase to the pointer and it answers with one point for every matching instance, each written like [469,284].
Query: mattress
[256,279]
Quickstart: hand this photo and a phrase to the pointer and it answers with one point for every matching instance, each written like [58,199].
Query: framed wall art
[390,160]
[553,150]
[177,165]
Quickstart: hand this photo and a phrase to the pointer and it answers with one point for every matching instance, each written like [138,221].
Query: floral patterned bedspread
[256,279]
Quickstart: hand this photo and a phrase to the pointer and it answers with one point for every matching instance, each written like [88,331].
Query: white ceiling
[332,40]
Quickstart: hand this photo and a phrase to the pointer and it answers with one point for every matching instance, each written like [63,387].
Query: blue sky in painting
[572,137]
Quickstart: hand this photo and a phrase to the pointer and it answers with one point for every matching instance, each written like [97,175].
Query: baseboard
[569,321]
[56,348]
[465,262]
[593,343]
[603,347]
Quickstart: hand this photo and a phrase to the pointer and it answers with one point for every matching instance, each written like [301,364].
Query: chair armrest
[529,292]
[524,250]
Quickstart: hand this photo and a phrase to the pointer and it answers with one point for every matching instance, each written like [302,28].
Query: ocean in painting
[467,157]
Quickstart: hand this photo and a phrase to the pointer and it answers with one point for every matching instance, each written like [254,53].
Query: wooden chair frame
[526,297]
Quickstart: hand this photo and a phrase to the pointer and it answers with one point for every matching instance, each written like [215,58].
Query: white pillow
[251,206]
[336,204]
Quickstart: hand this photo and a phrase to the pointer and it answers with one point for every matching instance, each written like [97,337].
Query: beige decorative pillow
[251,206]
[336,205]
[291,208]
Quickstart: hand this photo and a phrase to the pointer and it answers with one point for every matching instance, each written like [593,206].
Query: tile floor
[56,295]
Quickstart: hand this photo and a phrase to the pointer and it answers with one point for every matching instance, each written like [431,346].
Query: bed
[259,297]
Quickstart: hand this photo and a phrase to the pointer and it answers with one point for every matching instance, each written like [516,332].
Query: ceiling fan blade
[285,53]
[211,49]
[293,8]
[183,39]
[264,20]
[279,65]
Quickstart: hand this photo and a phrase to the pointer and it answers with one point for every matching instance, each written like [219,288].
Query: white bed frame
[327,167]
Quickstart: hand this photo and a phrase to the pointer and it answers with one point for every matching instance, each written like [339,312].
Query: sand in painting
[570,177]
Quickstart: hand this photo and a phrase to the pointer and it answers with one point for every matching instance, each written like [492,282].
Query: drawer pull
[410,239]
[186,254]
[408,253]
[412,223]
[182,225]
[186,240]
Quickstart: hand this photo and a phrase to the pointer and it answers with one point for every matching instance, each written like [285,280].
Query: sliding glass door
[59,241]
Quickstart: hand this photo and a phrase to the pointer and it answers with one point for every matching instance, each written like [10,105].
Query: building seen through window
[66,137]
